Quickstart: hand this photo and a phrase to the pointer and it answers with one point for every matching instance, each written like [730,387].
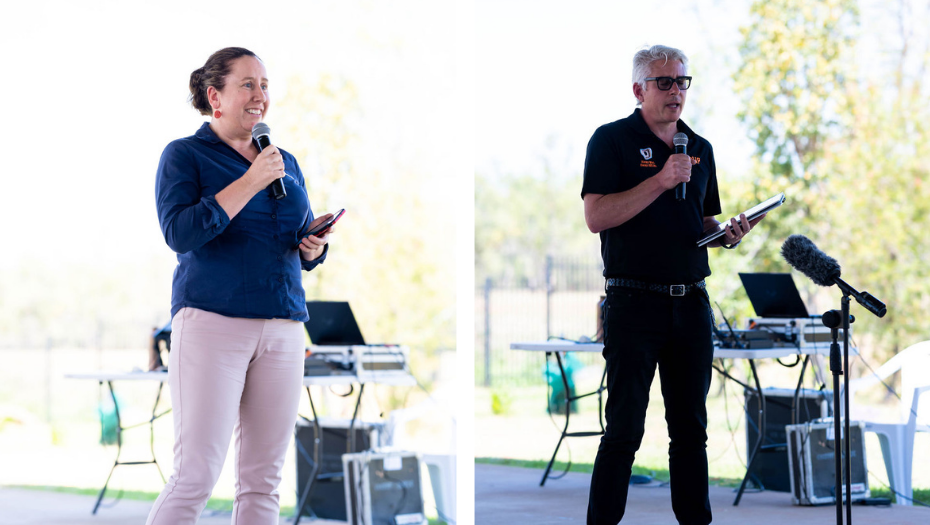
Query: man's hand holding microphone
[677,170]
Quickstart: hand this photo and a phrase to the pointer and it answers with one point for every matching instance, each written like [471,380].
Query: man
[657,312]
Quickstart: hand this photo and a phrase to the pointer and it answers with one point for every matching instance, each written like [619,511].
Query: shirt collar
[639,124]
[206,134]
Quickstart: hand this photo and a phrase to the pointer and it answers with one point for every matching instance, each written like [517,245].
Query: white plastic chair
[897,436]
[441,466]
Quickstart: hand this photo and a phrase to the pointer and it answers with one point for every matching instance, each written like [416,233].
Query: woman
[237,302]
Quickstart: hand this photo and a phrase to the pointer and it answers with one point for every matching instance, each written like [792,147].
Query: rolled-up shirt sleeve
[309,265]
[188,219]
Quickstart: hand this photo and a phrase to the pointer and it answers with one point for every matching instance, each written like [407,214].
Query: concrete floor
[34,507]
[512,495]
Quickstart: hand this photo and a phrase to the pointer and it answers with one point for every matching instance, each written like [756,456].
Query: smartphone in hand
[323,228]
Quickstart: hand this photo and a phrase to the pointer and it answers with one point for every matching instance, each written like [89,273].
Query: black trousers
[644,330]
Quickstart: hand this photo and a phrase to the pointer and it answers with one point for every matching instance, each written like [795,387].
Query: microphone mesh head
[680,139]
[260,129]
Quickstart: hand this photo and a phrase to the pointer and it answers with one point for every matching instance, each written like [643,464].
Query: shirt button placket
[274,217]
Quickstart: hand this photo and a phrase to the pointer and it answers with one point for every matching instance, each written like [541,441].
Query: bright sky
[557,70]
[553,71]
[95,90]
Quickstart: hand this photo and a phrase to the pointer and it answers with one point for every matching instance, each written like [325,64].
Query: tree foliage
[391,255]
[795,60]
[847,148]
[520,219]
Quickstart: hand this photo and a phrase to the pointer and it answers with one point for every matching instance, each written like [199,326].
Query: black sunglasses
[665,83]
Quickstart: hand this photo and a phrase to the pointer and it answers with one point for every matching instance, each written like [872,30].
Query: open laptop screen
[773,295]
[332,323]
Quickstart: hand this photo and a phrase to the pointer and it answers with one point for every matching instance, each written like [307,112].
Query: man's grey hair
[644,58]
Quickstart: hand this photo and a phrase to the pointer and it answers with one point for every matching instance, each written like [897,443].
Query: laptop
[332,324]
[774,295]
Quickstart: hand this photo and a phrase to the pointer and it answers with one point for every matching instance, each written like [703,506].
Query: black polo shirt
[660,243]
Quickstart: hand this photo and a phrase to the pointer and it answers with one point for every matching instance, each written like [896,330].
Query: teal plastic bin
[557,396]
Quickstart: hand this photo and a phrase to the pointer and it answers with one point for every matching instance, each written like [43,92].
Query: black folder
[751,214]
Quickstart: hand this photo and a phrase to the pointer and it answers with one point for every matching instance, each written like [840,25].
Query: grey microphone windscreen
[680,139]
[804,257]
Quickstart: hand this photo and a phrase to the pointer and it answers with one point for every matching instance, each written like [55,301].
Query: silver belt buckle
[679,288]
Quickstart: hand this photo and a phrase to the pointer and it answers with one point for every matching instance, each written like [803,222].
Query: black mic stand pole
[840,438]
[847,319]
[836,367]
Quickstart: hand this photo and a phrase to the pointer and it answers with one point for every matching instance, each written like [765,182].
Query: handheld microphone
[680,140]
[261,133]
[804,257]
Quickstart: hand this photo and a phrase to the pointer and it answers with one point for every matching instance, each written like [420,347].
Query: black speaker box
[327,495]
[770,470]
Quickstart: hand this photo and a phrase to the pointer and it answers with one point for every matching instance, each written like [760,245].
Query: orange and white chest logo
[647,158]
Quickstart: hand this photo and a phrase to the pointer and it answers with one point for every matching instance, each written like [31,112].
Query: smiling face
[662,108]
[244,99]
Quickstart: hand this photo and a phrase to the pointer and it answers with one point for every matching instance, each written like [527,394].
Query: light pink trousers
[230,374]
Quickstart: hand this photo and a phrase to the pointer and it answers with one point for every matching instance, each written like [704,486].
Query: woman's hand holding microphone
[267,167]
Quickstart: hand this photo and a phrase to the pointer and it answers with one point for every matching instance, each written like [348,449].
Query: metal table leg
[758,445]
[119,440]
[315,468]
[568,409]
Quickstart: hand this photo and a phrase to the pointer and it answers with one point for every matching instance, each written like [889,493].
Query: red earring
[217,114]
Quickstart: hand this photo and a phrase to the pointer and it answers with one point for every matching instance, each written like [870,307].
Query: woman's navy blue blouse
[244,267]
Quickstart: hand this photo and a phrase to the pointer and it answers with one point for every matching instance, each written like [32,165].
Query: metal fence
[561,303]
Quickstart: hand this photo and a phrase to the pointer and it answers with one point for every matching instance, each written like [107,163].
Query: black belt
[674,290]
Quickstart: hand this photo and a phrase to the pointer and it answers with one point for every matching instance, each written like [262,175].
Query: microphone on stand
[261,133]
[680,140]
[801,254]
[804,257]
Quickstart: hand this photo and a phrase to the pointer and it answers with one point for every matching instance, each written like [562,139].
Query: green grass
[919,496]
[658,474]
[661,475]
[215,504]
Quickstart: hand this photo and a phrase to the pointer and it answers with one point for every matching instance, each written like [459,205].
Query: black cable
[898,494]
[882,381]
[347,394]
[403,498]
[736,340]
[726,411]
[401,359]
[797,361]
